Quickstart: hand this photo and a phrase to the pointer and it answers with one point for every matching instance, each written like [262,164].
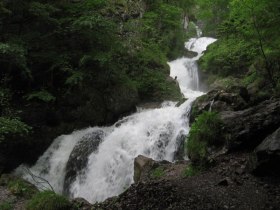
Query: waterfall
[97,163]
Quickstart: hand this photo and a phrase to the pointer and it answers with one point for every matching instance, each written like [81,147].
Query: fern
[12,127]
[41,95]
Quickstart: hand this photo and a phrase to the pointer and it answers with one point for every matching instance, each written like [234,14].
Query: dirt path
[225,186]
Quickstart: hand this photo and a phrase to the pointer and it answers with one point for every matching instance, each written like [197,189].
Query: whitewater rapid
[105,169]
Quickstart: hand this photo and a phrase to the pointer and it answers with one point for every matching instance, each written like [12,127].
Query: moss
[48,200]
[158,172]
[206,131]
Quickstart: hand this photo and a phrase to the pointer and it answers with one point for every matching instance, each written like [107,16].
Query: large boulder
[247,128]
[267,155]
[79,157]
[142,164]
[220,100]
[146,169]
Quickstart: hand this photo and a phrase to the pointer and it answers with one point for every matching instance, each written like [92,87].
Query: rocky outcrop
[79,157]
[267,155]
[247,128]
[244,126]
[220,100]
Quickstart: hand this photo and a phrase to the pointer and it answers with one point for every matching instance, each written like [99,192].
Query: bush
[12,127]
[48,200]
[205,131]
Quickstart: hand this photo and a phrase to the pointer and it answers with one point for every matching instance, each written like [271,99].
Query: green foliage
[13,56]
[42,95]
[158,172]
[6,206]
[228,57]
[212,13]
[205,131]
[48,200]
[21,188]
[12,127]
[248,32]
[249,79]
[43,11]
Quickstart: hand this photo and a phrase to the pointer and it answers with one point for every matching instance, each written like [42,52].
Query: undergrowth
[205,131]
[48,200]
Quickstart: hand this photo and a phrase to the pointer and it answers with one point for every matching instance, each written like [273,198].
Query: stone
[81,203]
[225,182]
[267,155]
[247,128]
[141,164]
[79,157]
[220,100]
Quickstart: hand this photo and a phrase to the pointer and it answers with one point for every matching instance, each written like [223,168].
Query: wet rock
[190,54]
[81,204]
[268,155]
[180,153]
[79,157]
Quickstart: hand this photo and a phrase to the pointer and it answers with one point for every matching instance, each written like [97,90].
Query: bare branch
[40,182]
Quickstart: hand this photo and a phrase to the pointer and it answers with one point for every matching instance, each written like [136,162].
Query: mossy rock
[48,200]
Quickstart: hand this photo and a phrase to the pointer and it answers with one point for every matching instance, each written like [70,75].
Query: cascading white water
[110,151]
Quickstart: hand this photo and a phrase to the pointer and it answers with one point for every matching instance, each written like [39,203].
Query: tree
[257,21]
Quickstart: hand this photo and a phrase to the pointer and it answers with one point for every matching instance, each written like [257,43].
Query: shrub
[12,127]
[48,200]
[205,131]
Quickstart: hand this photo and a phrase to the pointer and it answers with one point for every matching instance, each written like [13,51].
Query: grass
[158,172]
[48,200]
[21,188]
